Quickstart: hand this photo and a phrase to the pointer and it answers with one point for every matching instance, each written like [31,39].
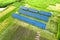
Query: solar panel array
[41,15]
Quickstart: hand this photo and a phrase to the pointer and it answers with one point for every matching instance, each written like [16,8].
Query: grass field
[4,3]
[9,9]
[51,30]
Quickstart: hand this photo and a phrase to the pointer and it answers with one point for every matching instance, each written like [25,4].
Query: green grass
[42,3]
[39,5]
[6,16]
[58,28]
[4,3]
[17,32]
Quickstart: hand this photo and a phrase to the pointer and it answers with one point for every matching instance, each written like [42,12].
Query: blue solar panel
[36,11]
[24,8]
[33,10]
[34,15]
[45,13]
[33,22]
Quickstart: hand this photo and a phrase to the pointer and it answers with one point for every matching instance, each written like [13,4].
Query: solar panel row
[34,15]
[30,21]
[36,11]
